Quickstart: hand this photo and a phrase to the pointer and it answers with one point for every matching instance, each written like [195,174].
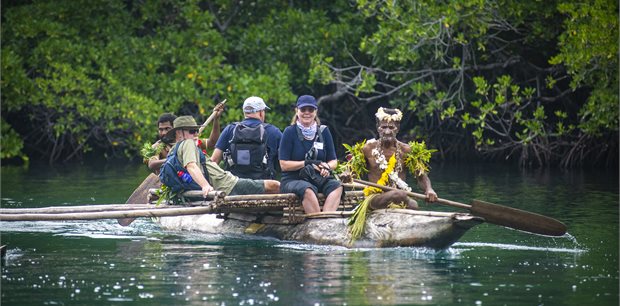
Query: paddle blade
[517,219]
[140,195]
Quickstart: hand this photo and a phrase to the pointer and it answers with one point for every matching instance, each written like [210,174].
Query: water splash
[518,247]
[311,247]
[93,229]
[573,239]
[102,236]
[401,252]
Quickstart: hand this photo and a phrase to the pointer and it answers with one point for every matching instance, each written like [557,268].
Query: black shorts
[298,187]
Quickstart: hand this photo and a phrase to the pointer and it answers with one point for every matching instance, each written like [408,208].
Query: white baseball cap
[253,105]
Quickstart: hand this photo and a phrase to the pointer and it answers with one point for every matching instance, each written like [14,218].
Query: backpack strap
[202,159]
[175,148]
[320,132]
[263,139]
[204,167]
[234,132]
[300,136]
[262,132]
[312,153]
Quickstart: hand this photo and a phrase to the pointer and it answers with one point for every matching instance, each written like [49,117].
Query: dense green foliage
[533,79]
[537,80]
[95,75]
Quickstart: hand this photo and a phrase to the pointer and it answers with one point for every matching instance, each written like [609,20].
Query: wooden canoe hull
[384,228]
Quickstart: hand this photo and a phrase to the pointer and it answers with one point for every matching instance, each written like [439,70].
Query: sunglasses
[193,131]
[307,109]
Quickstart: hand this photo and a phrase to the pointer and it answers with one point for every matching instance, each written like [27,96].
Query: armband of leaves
[417,160]
[356,161]
[148,150]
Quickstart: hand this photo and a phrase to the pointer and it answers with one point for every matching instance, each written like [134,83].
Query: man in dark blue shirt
[250,147]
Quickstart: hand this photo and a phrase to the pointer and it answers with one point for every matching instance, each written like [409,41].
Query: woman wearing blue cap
[307,156]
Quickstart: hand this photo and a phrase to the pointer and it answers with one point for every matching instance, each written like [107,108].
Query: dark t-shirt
[291,148]
[272,134]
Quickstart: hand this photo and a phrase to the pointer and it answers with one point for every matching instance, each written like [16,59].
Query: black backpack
[247,156]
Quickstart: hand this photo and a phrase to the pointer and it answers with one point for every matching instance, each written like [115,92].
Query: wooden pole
[196,195]
[354,186]
[208,121]
[219,203]
[328,214]
[73,209]
[162,212]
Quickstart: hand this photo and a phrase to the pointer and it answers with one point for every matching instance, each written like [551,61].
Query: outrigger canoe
[277,216]
[281,216]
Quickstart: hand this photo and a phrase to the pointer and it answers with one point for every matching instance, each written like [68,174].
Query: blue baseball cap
[307,100]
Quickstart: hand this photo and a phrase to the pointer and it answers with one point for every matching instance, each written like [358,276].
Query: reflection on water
[102,263]
[100,268]
[196,268]
[232,272]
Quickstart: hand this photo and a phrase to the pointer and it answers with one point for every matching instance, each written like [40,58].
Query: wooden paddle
[497,214]
[208,121]
[139,196]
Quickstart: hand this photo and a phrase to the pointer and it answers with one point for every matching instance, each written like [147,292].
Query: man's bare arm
[199,178]
[215,133]
[155,164]
[217,155]
[425,184]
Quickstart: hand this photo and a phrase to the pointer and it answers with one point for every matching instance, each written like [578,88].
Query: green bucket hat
[182,122]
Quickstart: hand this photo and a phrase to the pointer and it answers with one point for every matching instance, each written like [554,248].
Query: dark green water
[101,263]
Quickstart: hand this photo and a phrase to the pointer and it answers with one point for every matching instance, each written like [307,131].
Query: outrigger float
[281,216]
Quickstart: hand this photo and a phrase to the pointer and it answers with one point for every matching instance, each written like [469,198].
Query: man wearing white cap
[250,147]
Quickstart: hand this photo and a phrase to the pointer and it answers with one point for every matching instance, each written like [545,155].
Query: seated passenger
[250,147]
[307,156]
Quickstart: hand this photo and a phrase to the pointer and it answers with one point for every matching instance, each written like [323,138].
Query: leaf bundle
[356,161]
[418,159]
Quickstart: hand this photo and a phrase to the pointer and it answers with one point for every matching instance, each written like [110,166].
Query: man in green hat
[162,146]
[208,175]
